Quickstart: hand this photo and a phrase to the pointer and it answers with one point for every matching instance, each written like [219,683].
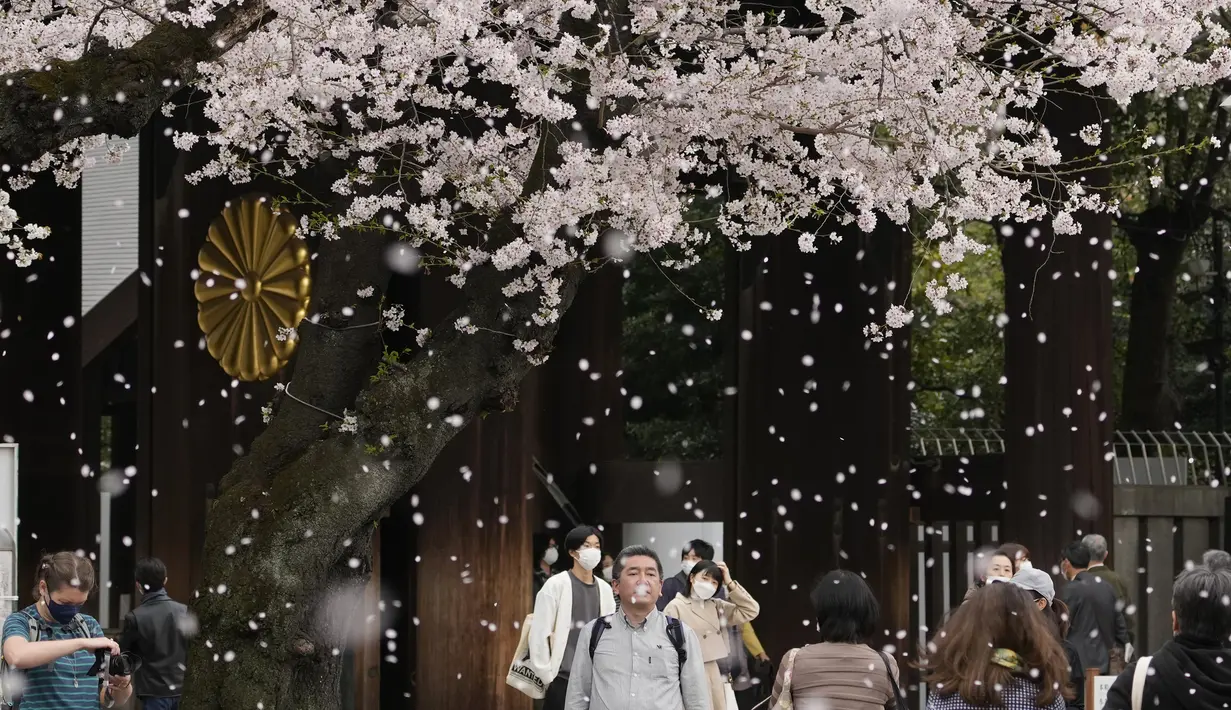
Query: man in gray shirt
[636,665]
[585,609]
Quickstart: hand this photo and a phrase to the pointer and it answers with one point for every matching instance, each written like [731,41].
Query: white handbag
[522,675]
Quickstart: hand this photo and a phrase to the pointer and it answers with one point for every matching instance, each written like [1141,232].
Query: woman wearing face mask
[710,617]
[55,644]
[546,561]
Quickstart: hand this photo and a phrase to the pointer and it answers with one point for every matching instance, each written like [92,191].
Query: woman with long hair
[996,651]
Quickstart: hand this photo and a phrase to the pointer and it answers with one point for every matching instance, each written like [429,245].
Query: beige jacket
[710,618]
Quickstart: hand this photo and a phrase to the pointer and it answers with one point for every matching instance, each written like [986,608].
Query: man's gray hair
[1202,603]
[1216,559]
[1097,544]
[617,566]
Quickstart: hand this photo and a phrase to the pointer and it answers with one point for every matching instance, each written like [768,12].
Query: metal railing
[956,442]
[1154,458]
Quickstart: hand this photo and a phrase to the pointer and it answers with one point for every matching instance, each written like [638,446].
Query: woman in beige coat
[709,617]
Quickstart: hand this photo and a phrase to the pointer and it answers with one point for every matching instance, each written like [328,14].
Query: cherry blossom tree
[521,144]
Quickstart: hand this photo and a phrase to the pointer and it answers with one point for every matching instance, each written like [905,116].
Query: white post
[104,559]
[9,596]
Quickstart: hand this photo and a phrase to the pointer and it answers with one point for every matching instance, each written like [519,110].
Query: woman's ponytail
[1060,614]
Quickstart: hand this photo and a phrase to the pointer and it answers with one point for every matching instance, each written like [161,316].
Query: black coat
[153,632]
[1076,677]
[1188,674]
[1096,625]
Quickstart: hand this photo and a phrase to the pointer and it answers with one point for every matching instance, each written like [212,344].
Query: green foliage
[957,359]
[957,352]
[673,358]
[390,359]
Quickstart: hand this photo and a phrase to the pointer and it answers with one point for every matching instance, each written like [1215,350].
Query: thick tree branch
[112,91]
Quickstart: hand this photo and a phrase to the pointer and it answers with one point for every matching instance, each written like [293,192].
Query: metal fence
[1143,458]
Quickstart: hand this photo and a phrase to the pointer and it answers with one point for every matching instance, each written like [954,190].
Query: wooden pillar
[40,382]
[820,480]
[1059,397]
[194,420]
[582,409]
[475,517]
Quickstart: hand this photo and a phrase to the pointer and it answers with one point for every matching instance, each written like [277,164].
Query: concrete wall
[668,539]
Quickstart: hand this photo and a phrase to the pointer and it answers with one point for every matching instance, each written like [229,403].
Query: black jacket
[1188,674]
[1077,678]
[152,632]
[1095,624]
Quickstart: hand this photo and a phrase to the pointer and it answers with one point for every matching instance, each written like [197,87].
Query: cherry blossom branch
[118,89]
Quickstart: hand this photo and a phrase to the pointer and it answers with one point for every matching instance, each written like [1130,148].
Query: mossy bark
[288,537]
[111,91]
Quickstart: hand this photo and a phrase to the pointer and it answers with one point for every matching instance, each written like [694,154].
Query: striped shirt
[63,683]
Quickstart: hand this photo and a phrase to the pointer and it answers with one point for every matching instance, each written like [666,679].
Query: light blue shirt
[637,668]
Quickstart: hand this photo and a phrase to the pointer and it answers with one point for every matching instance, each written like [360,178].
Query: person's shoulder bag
[1140,672]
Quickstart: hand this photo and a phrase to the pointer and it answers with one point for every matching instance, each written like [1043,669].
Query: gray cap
[1036,580]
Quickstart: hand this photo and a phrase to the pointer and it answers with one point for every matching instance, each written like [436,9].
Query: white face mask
[995,580]
[551,555]
[1025,564]
[607,573]
[704,590]
[589,558]
[687,566]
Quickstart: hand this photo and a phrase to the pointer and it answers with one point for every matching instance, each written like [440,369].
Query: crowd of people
[652,642]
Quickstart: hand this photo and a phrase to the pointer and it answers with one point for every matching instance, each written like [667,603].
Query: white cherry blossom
[860,114]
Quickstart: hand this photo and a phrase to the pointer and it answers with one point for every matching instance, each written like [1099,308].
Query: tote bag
[521,674]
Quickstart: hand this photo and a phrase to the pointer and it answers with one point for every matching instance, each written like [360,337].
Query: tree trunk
[1148,401]
[1058,363]
[822,427]
[287,540]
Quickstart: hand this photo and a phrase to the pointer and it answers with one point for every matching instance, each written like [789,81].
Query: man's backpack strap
[675,632]
[601,624]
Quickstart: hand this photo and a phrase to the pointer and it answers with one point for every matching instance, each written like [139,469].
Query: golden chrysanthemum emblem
[254,286]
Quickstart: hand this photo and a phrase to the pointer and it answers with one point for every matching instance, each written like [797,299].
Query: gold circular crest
[254,286]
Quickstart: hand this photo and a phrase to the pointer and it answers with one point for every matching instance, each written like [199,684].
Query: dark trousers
[148,703]
[557,693]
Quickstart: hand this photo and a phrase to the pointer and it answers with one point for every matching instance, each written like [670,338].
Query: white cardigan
[553,620]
